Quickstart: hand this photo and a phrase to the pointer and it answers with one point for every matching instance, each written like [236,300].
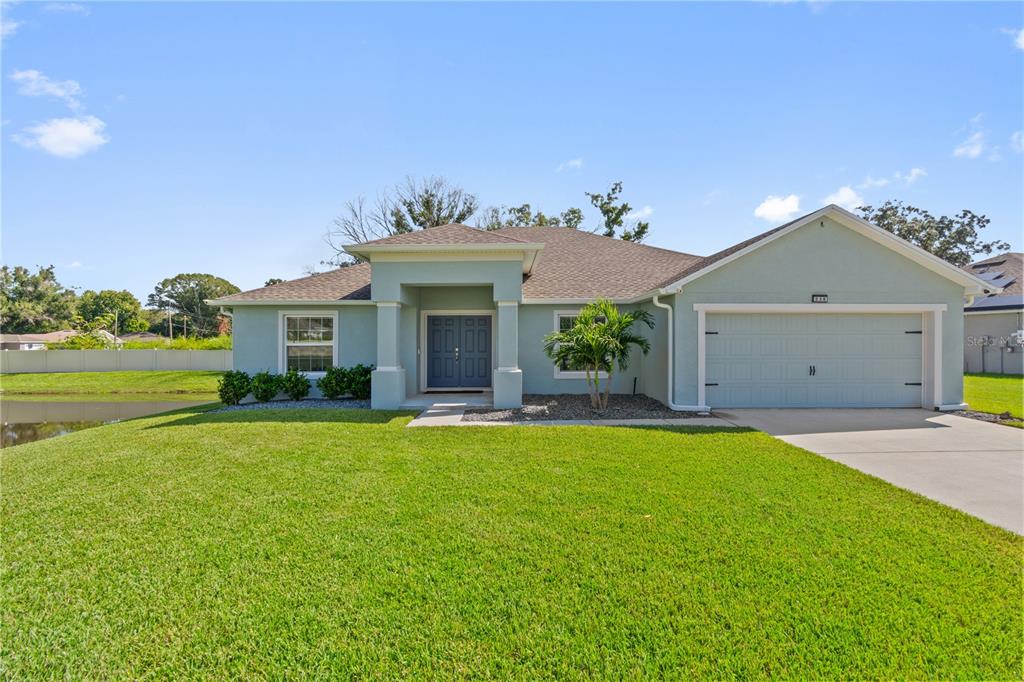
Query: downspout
[671,355]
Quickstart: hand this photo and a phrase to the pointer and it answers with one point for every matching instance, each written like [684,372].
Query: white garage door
[813,360]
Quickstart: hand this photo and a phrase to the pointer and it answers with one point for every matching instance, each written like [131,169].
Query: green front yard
[192,385]
[996,393]
[336,544]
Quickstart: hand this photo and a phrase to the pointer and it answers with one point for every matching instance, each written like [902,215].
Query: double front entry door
[458,351]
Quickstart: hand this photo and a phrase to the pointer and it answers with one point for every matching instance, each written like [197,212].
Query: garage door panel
[858,360]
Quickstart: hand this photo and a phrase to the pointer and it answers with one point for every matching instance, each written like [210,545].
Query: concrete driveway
[974,466]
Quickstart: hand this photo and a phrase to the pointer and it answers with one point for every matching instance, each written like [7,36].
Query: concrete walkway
[447,410]
[971,465]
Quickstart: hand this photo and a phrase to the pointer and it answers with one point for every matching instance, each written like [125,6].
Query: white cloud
[1017,142]
[845,196]
[971,147]
[75,264]
[8,27]
[976,144]
[571,164]
[913,176]
[37,84]
[1018,36]
[642,214]
[67,138]
[67,8]
[872,183]
[776,209]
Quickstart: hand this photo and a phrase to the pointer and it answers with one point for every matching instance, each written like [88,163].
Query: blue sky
[140,140]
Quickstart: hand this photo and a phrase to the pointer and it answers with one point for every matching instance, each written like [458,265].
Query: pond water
[25,421]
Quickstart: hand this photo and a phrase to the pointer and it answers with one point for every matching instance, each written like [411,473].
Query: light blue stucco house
[994,324]
[827,310]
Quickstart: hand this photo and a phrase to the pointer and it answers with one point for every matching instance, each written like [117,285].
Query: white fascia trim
[529,250]
[1004,311]
[232,304]
[796,308]
[971,284]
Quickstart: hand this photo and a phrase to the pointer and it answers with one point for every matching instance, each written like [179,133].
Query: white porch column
[387,383]
[508,378]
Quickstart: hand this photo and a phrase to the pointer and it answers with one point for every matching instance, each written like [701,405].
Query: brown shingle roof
[704,262]
[454,233]
[351,283]
[580,264]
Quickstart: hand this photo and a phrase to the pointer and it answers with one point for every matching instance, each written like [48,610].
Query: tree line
[34,302]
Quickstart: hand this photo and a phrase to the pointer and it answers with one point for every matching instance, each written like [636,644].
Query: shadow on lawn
[288,415]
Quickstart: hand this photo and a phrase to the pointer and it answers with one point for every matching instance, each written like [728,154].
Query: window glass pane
[310,329]
[309,358]
[565,322]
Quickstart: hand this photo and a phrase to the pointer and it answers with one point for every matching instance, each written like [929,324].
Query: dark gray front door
[458,351]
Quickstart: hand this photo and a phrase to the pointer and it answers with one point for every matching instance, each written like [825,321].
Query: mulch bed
[308,404]
[576,407]
[1004,418]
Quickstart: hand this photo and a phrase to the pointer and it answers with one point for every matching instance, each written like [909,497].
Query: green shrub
[182,343]
[334,383]
[342,381]
[265,386]
[359,381]
[233,387]
[295,385]
[86,341]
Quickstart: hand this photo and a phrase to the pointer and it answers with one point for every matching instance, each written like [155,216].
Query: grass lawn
[194,385]
[337,544]
[996,393]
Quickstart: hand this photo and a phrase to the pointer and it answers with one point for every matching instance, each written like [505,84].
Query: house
[826,310]
[38,341]
[993,324]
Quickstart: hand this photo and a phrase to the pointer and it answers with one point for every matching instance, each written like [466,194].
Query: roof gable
[972,285]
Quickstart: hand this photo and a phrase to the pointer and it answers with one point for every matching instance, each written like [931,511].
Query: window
[564,322]
[309,342]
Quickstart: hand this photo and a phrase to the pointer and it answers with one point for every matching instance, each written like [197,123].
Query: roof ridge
[384,241]
[602,236]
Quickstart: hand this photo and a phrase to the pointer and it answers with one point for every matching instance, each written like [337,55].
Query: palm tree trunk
[607,390]
[590,387]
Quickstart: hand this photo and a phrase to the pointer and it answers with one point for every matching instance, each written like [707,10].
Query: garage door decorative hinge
[710,384]
[911,383]
[710,332]
[917,332]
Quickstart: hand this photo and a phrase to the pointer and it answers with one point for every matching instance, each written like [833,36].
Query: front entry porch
[426,345]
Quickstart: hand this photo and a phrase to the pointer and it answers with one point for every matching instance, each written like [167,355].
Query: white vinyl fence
[16,361]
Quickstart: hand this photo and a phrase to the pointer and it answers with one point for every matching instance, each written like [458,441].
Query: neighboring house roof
[579,265]
[350,283]
[1006,271]
[48,337]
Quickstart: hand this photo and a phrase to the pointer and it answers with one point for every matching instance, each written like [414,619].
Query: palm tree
[599,341]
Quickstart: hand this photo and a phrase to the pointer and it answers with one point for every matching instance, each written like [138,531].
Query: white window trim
[570,374]
[282,347]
